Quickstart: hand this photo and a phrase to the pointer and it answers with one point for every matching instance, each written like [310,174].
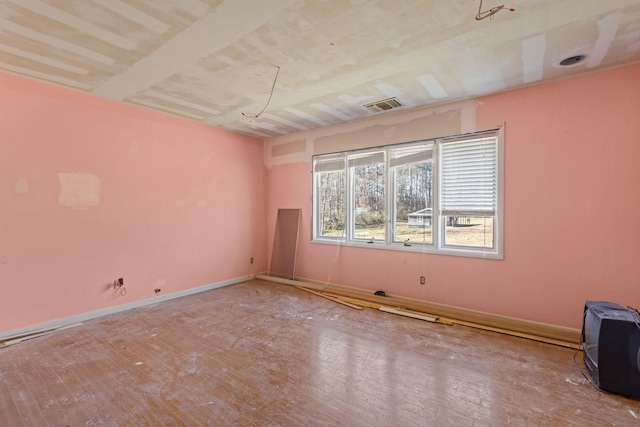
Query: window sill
[414,248]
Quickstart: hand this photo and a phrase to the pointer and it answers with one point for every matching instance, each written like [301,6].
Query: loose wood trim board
[16,339]
[348,304]
[408,313]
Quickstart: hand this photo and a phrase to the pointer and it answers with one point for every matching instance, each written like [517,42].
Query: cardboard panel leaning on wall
[92,190]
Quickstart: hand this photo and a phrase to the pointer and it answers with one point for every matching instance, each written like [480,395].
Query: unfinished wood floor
[264,354]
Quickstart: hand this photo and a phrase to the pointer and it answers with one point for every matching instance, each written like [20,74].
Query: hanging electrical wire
[273,86]
[491,12]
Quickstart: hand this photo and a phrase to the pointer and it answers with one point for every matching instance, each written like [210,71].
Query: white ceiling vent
[384,105]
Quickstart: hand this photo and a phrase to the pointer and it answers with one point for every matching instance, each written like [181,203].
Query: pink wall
[572,210]
[180,204]
[169,213]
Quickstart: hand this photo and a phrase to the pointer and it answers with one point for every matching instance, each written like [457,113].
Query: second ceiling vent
[384,105]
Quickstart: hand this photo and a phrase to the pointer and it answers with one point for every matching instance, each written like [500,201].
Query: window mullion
[350,203]
[436,218]
[389,199]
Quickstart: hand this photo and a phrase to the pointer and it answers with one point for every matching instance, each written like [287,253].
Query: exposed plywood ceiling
[213,60]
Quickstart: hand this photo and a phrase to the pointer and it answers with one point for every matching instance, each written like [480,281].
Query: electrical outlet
[423,280]
[251,260]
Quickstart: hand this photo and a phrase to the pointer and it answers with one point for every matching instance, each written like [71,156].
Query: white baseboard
[66,321]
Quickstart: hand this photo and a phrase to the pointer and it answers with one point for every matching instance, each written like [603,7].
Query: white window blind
[329,164]
[366,159]
[469,177]
[411,155]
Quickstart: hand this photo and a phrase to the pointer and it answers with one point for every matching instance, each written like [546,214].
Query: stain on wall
[21,187]
[437,123]
[79,191]
[288,148]
[406,126]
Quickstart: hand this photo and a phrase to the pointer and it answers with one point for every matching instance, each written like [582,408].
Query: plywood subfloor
[265,354]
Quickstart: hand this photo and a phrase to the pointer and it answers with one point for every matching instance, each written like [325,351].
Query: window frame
[354,160]
[424,150]
[437,245]
[328,161]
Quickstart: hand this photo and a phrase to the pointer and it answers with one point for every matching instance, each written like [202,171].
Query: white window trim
[437,247]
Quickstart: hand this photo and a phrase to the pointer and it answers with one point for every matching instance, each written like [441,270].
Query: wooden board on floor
[408,313]
[320,294]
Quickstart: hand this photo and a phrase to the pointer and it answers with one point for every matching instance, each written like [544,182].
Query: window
[367,184]
[440,195]
[412,169]
[329,197]
[468,176]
